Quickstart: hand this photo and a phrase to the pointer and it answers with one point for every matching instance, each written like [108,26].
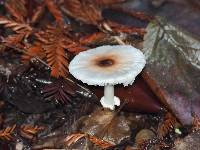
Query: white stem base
[109,100]
[106,104]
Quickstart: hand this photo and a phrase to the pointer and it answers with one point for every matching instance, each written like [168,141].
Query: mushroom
[107,66]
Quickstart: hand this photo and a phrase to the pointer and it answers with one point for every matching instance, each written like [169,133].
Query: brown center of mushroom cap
[107,62]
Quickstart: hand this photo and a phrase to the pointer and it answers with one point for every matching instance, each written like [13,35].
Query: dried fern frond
[17,9]
[20,11]
[75,48]
[57,59]
[14,39]
[167,125]
[29,131]
[54,41]
[119,28]
[22,31]
[15,26]
[86,41]
[196,123]
[57,43]
[100,143]
[7,133]
[34,51]
[52,7]
[93,38]
[37,13]
[73,138]
[135,14]
[60,90]
[84,11]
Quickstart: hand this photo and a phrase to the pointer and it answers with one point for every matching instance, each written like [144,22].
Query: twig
[108,28]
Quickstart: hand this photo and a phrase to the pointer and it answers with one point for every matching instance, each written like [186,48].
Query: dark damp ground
[24,103]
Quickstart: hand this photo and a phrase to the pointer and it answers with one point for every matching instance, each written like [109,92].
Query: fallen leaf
[173,68]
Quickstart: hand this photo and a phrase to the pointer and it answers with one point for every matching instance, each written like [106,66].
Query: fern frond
[33,51]
[52,7]
[15,26]
[30,131]
[100,143]
[84,11]
[53,39]
[7,133]
[17,9]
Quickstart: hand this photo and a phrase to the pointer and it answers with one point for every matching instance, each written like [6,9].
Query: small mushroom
[107,66]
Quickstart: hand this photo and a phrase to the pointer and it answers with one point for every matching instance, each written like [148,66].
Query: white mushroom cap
[108,65]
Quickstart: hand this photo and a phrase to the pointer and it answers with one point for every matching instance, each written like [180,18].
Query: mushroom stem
[109,100]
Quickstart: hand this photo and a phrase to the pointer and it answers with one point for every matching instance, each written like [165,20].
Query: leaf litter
[44,107]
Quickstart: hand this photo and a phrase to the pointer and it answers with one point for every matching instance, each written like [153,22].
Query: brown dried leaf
[173,67]
[52,7]
[17,9]
[6,133]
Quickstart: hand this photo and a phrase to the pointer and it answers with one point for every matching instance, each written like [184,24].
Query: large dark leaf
[138,96]
[173,68]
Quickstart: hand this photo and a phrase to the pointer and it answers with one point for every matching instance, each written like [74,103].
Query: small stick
[107,27]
